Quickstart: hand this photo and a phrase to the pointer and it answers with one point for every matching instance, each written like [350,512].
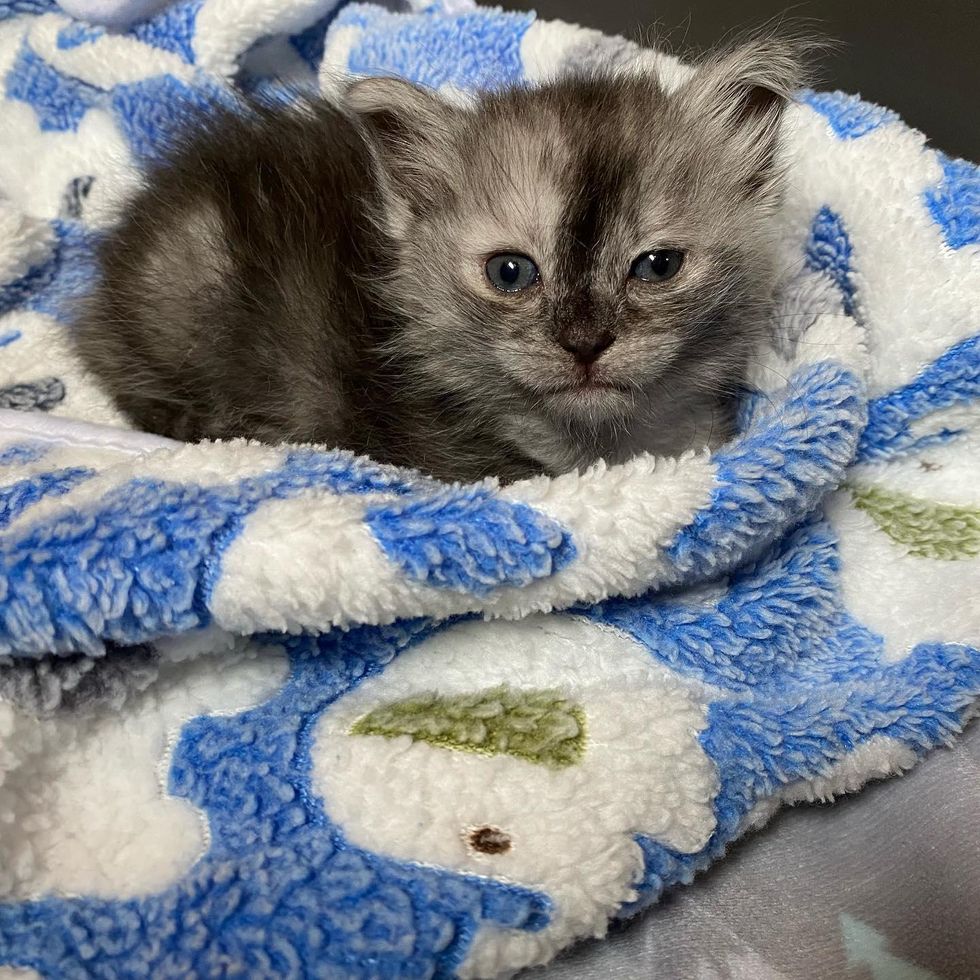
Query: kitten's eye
[657,266]
[510,272]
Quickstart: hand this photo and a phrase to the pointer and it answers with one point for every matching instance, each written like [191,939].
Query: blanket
[278,711]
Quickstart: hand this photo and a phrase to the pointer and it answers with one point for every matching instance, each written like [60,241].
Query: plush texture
[284,711]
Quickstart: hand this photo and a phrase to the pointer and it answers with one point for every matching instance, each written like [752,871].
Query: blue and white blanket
[280,712]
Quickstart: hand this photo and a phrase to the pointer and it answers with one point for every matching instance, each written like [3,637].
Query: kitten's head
[589,244]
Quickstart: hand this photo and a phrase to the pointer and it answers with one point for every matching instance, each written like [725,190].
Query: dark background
[918,57]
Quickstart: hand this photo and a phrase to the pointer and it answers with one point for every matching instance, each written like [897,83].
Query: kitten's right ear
[392,108]
[408,128]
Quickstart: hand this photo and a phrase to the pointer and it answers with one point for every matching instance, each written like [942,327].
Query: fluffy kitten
[527,284]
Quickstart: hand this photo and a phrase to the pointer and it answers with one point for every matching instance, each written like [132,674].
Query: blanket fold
[284,711]
[298,539]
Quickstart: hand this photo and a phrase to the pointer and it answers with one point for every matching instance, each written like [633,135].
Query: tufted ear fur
[737,97]
[408,128]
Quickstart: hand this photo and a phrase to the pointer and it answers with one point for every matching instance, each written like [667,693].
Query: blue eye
[657,266]
[510,272]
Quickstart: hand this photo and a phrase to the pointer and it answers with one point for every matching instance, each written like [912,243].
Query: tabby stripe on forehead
[596,189]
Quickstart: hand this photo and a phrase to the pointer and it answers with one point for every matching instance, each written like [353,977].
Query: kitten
[543,278]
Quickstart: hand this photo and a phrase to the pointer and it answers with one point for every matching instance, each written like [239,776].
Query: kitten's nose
[587,349]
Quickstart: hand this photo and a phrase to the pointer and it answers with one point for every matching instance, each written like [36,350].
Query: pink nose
[587,349]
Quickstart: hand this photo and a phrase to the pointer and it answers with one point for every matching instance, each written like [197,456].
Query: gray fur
[45,686]
[317,275]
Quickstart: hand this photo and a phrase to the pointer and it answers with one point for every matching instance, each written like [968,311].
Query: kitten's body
[317,275]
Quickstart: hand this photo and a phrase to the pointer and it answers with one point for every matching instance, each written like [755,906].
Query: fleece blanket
[277,711]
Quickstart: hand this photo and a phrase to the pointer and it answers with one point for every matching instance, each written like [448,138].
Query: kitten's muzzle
[586,348]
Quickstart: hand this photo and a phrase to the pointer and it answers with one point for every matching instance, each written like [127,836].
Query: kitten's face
[583,248]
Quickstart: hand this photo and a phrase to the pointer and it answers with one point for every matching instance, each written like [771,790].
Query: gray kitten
[546,277]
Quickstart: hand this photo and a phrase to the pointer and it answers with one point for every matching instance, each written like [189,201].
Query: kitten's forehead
[558,168]
[581,172]
[513,191]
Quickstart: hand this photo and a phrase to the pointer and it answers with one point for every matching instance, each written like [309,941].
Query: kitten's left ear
[408,127]
[738,97]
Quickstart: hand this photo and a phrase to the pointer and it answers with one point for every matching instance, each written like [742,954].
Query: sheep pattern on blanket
[277,711]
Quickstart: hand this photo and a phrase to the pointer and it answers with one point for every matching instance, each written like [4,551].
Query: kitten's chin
[595,403]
